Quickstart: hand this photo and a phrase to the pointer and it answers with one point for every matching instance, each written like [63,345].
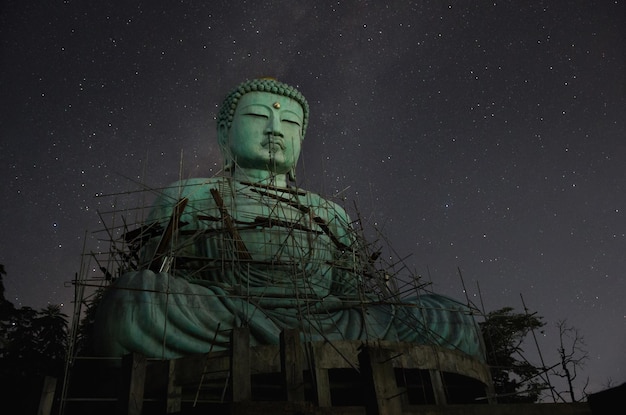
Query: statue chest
[256,242]
[278,233]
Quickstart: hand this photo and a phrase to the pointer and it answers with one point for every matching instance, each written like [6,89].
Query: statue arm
[180,200]
[345,277]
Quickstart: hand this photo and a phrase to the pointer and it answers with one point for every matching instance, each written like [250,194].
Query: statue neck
[259,176]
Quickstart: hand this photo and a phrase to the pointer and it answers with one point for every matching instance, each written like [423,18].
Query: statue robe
[240,254]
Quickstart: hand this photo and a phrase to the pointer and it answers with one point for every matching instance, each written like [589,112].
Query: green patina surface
[249,249]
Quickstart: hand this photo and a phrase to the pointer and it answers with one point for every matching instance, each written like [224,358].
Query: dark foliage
[84,338]
[33,345]
[515,379]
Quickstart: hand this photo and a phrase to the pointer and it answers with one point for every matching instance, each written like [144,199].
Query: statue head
[255,112]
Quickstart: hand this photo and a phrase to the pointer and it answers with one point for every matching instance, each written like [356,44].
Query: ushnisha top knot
[227,110]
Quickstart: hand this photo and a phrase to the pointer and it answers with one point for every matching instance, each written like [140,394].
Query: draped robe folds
[266,258]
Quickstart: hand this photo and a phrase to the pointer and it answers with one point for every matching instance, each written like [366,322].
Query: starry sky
[482,139]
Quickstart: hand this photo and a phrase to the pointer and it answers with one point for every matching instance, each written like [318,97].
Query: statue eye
[257,115]
[289,121]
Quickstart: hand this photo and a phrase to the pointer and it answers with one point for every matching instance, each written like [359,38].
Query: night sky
[485,137]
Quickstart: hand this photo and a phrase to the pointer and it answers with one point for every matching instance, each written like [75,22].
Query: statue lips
[274,143]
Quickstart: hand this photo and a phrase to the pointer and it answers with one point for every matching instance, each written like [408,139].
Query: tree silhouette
[51,326]
[573,355]
[7,310]
[84,338]
[33,345]
[515,379]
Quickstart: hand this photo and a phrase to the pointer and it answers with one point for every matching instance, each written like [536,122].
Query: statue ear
[222,141]
[291,175]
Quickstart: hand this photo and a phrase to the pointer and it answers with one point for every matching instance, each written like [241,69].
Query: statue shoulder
[196,190]
[326,208]
[190,188]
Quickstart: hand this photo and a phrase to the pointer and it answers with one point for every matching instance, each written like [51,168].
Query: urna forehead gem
[276,105]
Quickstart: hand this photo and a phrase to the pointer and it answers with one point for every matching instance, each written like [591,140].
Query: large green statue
[250,249]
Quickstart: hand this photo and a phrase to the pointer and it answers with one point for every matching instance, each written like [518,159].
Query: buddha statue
[249,248]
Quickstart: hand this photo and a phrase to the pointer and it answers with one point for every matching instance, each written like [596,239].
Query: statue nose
[273,126]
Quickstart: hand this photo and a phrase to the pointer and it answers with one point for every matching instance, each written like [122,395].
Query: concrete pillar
[174,391]
[292,365]
[240,380]
[438,389]
[320,377]
[380,388]
[133,373]
[47,395]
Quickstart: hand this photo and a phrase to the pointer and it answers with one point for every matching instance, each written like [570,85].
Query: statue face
[266,132]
